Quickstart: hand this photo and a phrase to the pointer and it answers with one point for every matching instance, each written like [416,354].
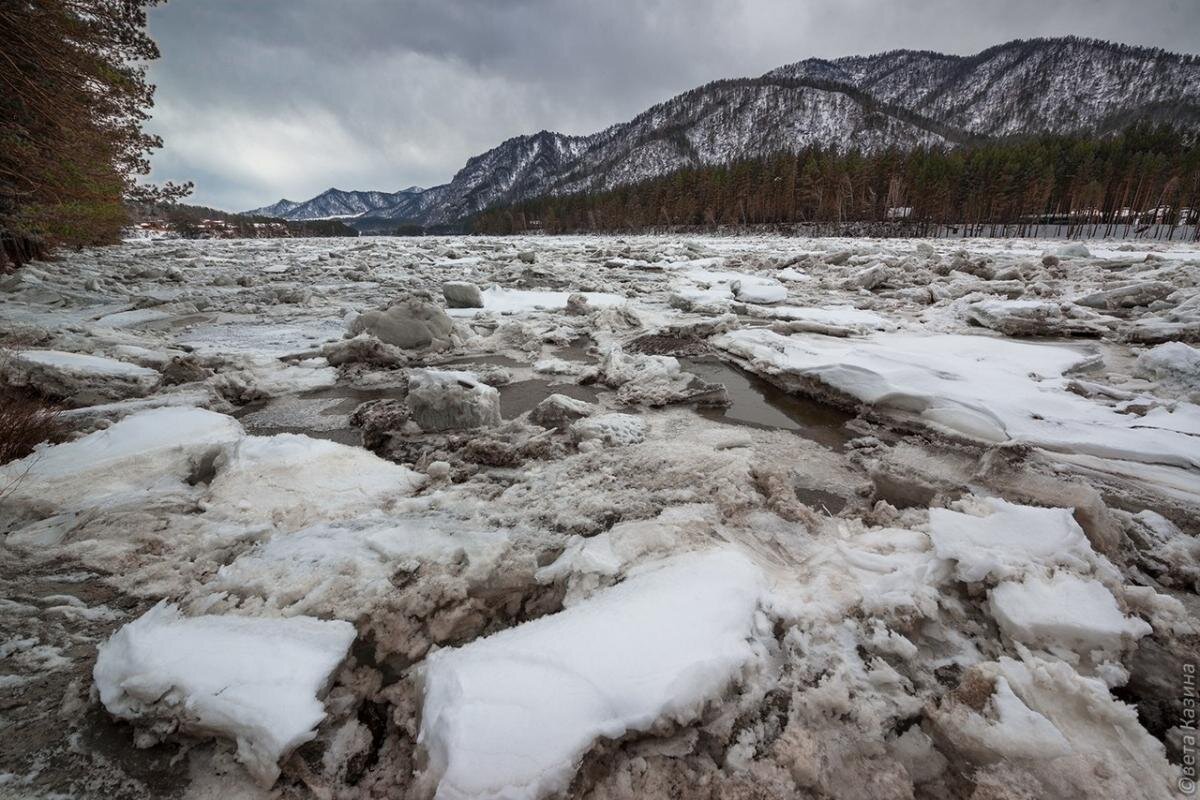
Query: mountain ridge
[897,98]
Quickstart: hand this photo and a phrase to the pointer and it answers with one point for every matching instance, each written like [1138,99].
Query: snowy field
[604,518]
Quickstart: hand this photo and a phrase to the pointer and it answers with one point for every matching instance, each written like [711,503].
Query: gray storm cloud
[271,98]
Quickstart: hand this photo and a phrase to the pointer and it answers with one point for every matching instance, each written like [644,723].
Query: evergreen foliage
[73,97]
[1144,176]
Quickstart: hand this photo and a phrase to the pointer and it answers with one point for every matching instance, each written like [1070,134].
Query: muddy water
[323,414]
[760,404]
[757,403]
[576,349]
[517,398]
[488,360]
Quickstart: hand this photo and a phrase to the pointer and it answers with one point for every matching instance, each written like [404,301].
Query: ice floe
[256,681]
[990,389]
[511,715]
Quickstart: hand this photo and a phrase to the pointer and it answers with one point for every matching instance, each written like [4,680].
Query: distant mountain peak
[898,98]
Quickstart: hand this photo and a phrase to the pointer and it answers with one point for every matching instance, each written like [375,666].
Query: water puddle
[325,413]
[577,350]
[517,398]
[758,403]
[322,414]
[495,360]
[828,502]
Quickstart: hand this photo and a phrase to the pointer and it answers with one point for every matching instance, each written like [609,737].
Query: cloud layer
[271,98]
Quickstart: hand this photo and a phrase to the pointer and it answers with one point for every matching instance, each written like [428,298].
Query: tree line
[1145,179]
[73,98]
[200,222]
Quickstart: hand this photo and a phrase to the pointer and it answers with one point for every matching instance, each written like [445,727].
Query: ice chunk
[516,301]
[975,386]
[1064,611]
[558,411]
[511,715]
[340,568]
[1004,728]
[759,290]
[653,380]
[261,377]
[134,318]
[291,481]
[703,287]
[256,681]
[793,274]
[835,316]
[1129,296]
[80,379]
[1009,540]
[460,294]
[1057,725]
[1027,318]
[411,324]
[442,400]
[613,429]
[1072,250]
[81,364]
[1095,723]
[157,447]
[1175,365]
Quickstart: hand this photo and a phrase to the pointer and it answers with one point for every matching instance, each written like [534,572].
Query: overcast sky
[262,99]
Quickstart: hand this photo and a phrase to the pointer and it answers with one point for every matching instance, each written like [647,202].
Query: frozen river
[639,517]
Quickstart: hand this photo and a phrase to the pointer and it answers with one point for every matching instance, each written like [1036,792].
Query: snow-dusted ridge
[900,98]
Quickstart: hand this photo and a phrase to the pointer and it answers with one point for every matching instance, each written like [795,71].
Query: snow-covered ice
[1063,611]
[499,300]
[993,390]
[158,447]
[76,377]
[955,555]
[256,681]
[291,480]
[1009,540]
[451,400]
[510,716]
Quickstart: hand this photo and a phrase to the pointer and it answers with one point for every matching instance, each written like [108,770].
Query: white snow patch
[1009,540]
[1063,611]
[510,716]
[981,387]
[290,481]
[498,300]
[154,448]
[256,681]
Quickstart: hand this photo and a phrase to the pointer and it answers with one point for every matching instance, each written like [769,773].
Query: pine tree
[73,97]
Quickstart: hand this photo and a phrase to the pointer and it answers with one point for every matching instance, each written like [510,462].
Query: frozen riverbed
[600,517]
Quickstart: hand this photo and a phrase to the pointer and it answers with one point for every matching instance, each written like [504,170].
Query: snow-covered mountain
[1040,85]
[902,98]
[333,203]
